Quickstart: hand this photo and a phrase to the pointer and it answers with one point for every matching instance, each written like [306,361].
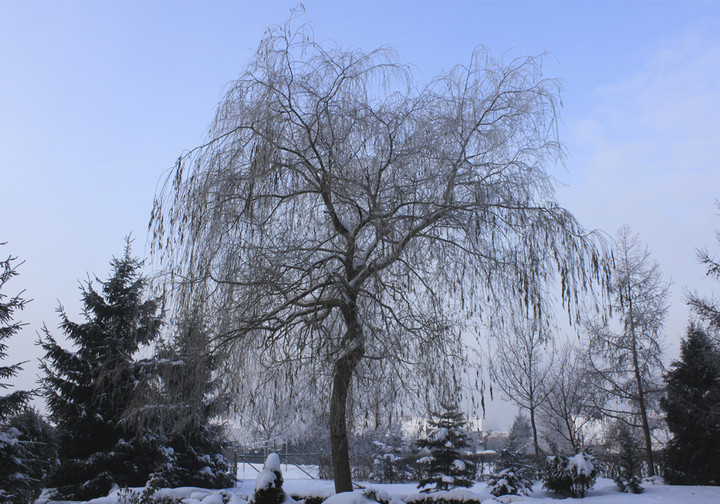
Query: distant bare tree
[343,219]
[568,409]
[627,361]
[520,366]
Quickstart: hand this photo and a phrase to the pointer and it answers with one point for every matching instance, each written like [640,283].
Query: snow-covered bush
[444,453]
[456,496]
[147,496]
[381,455]
[185,465]
[570,476]
[380,496]
[268,484]
[509,482]
[309,499]
[175,404]
[633,484]
[513,473]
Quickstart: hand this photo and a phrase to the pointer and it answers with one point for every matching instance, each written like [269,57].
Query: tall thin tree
[628,361]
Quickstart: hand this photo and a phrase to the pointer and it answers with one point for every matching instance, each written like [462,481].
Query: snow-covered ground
[298,483]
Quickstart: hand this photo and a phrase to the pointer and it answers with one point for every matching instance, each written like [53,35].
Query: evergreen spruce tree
[19,481]
[15,401]
[513,474]
[628,478]
[181,400]
[88,388]
[445,450]
[692,407]
[390,461]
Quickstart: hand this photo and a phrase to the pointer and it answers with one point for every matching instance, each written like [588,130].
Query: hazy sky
[98,99]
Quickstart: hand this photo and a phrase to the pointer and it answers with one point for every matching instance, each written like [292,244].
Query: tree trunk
[643,415]
[641,393]
[536,445]
[342,374]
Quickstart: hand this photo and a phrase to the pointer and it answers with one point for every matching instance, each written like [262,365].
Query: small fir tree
[628,479]
[692,408]
[513,474]
[390,463]
[268,484]
[89,387]
[444,452]
[178,404]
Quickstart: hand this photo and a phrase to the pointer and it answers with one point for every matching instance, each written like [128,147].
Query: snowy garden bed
[604,492]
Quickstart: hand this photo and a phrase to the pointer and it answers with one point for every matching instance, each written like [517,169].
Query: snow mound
[272,462]
[581,463]
[348,498]
[265,479]
[212,499]
[458,465]
[236,499]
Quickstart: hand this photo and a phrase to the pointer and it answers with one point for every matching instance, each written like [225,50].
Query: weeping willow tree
[349,226]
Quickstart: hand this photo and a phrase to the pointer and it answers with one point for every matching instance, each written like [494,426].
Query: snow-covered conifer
[14,402]
[28,452]
[390,463]
[177,405]
[692,408]
[628,479]
[20,474]
[570,476]
[444,452]
[268,484]
[513,474]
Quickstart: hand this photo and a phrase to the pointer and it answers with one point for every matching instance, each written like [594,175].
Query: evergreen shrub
[268,484]
[570,477]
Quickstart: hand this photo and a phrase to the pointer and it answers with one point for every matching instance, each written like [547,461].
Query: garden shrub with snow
[147,496]
[268,484]
[570,476]
[309,498]
[456,496]
[509,482]
[512,474]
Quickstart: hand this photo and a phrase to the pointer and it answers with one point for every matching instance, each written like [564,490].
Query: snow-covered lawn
[297,483]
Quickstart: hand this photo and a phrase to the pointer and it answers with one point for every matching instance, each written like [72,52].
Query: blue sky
[98,99]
